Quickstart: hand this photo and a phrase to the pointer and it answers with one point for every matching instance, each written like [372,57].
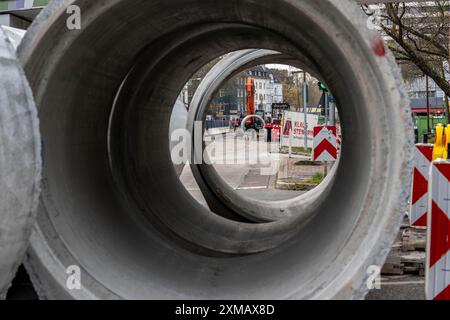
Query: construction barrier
[325,143]
[446,140]
[339,145]
[423,155]
[438,245]
[276,133]
[295,121]
[439,147]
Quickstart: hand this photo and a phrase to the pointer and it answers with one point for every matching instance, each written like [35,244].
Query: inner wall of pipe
[137,233]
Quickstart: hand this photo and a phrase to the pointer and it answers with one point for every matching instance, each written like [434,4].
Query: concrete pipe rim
[120,254]
[20,163]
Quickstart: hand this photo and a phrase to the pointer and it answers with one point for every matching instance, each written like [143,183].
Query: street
[236,165]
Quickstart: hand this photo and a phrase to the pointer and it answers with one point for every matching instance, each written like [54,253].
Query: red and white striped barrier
[438,241]
[276,132]
[339,144]
[325,143]
[423,156]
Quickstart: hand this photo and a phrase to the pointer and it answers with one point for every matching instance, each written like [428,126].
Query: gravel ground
[404,287]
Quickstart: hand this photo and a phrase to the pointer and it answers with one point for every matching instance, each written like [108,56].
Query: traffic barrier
[339,144]
[439,147]
[438,239]
[325,143]
[276,133]
[419,196]
[446,141]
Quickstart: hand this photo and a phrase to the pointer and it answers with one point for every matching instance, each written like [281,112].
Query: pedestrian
[269,127]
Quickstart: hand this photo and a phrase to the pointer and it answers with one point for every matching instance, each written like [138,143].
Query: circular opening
[252,162]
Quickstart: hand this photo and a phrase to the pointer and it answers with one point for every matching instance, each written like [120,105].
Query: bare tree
[420,37]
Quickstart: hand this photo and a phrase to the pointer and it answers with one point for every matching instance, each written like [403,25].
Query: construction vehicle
[252,122]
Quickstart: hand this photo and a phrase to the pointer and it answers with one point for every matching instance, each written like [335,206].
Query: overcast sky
[281,67]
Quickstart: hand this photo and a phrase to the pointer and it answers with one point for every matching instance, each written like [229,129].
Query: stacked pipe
[112,203]
[20,164]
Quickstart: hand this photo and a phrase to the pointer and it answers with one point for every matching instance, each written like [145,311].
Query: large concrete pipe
[14,35]
[20,164]
[112,203]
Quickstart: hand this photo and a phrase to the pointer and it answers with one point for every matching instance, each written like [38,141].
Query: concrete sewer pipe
[20,164]
[112,203]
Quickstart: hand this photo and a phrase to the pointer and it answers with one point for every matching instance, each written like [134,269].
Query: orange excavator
[252,122]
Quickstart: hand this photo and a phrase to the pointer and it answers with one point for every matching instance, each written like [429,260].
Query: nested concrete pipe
[221,198]
[20,164]
[112,203]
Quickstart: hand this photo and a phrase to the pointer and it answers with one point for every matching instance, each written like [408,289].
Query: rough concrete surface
[112,203]
[20,165]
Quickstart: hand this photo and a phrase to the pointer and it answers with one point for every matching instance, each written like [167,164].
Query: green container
[421,125]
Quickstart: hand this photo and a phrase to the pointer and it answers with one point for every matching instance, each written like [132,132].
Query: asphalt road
[241,164]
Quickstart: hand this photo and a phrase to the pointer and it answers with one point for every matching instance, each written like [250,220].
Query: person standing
[268,126]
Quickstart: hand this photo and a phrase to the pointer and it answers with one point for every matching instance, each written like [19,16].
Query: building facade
[20,13]
[421,98]
[421,95]
[268,89]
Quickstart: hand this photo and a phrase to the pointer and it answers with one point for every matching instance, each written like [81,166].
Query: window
[260,85]
[422,94]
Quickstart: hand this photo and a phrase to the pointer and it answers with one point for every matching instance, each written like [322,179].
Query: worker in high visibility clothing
[439,147]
